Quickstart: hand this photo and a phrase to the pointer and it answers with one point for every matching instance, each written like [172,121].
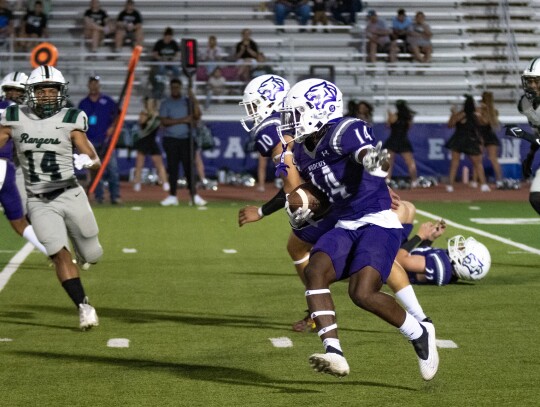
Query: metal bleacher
[470,42]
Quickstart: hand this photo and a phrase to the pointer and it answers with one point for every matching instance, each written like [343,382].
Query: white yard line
[482,233]
[14,264]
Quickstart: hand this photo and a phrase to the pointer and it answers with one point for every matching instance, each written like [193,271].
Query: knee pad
[534,199]
[92,254]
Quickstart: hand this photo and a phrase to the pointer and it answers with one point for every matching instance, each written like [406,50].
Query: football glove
[82,161]
[374,159]
[300,217]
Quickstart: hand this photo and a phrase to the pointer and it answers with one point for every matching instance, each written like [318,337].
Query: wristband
[260,212]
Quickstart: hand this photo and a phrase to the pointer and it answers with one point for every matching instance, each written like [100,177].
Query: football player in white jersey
[529,105]
[45,134]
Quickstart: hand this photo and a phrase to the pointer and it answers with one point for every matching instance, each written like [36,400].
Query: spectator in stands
[128,26]
[342,8]
[215,86]
[102,112]
[400,27]
[301,8]
[165,54]
[320,7]
[96,25]
[400,123]
[145,143]
[465,140]
[30,4]
[246,54]
[419,39]
[378,38]
[261,67]
[212,54]
[488,121]
[6,22]
[33,25]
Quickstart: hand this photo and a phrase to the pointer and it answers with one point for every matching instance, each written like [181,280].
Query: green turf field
[199,320]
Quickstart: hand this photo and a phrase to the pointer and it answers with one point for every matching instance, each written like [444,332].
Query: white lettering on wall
[235,148]
[436,146]
[510,148]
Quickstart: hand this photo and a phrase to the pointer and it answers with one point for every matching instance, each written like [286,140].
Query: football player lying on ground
[262,97]
[337,154]
[465,259]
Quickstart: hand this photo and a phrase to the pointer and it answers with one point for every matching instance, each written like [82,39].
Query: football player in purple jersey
[262,98]
[465,259]
[12,87]
[337,155]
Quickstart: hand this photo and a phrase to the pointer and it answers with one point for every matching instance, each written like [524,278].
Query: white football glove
[374,160]
[299,217]
[82,161]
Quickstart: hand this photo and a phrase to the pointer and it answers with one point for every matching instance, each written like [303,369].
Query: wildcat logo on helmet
[473,264]
[271,87]
[322,94]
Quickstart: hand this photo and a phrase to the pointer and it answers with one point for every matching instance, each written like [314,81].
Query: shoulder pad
[71,115]
[338,130]
[12,113]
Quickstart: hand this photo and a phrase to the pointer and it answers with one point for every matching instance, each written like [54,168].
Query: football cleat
[87,316]
[330,363]
[426,351]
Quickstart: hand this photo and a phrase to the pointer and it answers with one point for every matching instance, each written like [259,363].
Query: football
[308,196]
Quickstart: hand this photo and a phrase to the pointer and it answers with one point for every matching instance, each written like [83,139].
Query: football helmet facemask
[46,77]
[309,105]
[471,259]
[13,87]
[530,80]
[262,96]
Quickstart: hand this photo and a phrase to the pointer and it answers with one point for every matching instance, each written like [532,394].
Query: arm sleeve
[425,243]
[274,204]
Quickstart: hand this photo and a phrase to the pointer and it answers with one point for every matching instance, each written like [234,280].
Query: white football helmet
[471,259]
[309,105]
[263,96]
[46,76]
[530,80]
[12,87]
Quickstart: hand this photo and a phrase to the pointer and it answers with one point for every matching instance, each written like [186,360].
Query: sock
[407,297]
[30,235]
[75,290]
[411,328]
[331,345]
